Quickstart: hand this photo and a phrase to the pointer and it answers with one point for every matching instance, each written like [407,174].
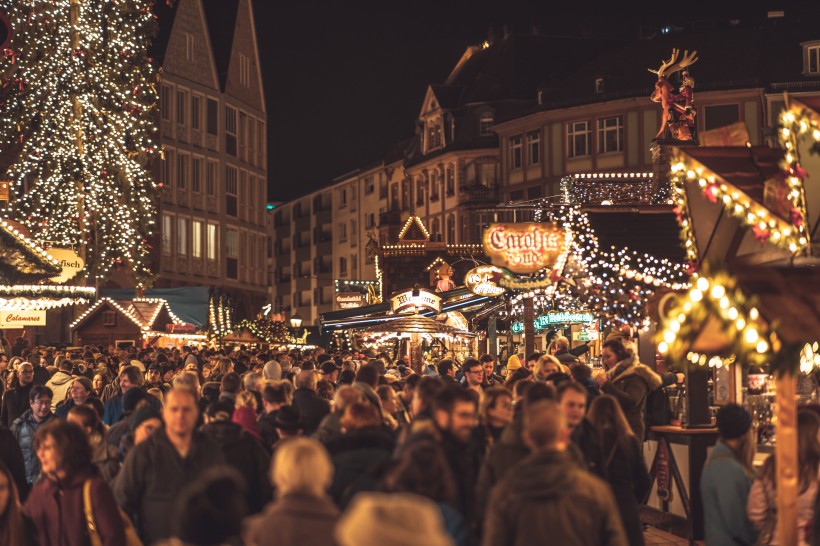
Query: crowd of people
[108,446]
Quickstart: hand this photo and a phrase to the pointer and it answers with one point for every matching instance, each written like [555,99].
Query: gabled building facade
[212,217]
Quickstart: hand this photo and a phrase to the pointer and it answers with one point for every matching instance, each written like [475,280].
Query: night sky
[345,79]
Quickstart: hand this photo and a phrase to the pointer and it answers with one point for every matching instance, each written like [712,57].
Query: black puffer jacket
[358,460]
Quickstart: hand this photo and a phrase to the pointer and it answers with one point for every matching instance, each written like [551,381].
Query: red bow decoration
[798,171]
[710,192]
[9,53]
[555,276]
[797,217]
[691,267]
[678,213]
[761,234]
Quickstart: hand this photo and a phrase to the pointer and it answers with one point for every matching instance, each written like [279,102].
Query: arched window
[435,234]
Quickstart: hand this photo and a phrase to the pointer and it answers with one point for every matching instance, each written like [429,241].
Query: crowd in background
[239,446]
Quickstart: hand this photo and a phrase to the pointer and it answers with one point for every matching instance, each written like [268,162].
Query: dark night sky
[345,79]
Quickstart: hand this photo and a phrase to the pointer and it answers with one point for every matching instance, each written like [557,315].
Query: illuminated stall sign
[406,301]
[21,319]
[480,281]
[525,247]
[349,300]
[542,322]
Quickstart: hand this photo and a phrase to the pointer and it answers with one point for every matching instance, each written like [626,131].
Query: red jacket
[56,510]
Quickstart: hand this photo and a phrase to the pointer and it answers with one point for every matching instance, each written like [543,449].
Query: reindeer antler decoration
[677,114]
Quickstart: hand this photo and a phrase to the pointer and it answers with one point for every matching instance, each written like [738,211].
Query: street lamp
[295,321]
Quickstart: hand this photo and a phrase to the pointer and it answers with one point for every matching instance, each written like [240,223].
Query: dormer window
[433,135]
[811,58]
[485,121]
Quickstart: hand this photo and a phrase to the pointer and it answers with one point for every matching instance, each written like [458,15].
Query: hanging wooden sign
[479,280]
[525,247]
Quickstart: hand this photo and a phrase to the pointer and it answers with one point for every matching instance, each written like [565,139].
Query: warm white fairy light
[82,181]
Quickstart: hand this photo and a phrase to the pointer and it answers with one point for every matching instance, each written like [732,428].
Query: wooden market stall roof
[149,314]
[242,335]
[21,259]
[788,297]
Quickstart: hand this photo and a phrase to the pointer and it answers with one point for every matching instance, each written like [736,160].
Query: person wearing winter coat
[105,456]
[629,381]
[727,479]
[79,392]
[762,504]
[549,498]
[624,466]
[56,505]
[302,512]
[16,399]
[242,451]
[359,453]
[311,408]
[60,383]
[26,426]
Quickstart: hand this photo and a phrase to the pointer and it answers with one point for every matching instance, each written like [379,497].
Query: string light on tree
[80,113]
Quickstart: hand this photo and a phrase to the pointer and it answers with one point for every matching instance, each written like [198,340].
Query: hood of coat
[223,432]
[367,438]
[61,378]
[542,475]
[631,366]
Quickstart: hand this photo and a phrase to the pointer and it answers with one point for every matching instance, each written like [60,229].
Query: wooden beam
[786,458]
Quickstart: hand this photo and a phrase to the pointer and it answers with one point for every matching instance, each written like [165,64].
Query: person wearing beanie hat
[727,479]
[143,422]
[132,400]
[398,519]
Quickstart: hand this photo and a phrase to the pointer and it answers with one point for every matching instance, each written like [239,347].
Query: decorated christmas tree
[76,96]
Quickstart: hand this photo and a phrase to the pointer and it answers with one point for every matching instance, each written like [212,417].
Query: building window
[433,135]
[182,171]
[720,116]
[611,135]
[515,152]
[342,266]
[196,174]
[434,182]
[369,185]
[230,130]
[486,175]
[534,193]
[370,220]
[517,195]
[211,115]
[382,187]
[534,148]
[244,70]
[165,102]
[260,144]
[813,59]
[451,180]
[212,242]
[485,121]
[167,231]
[109,318]
[420,191]
[353,231]
[435,232]
[342,231]
[182,107]
[189,46]
[168,168]
[210,178]
[196,112]
[232,243]
[343,197]
[451,229]
[578,137]
[182,236]
[196,239]
[230,191]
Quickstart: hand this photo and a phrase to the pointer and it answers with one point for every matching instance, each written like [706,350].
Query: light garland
[717,297]
[593,189]
[33,247]
[83,116]
[145,324]
[418,222]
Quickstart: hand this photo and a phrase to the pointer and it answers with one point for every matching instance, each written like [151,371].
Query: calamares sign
[21,319]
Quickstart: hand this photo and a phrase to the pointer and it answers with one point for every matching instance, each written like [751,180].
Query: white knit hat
[272,370]
[399,519]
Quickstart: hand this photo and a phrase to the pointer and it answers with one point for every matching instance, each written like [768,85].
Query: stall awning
[376,314]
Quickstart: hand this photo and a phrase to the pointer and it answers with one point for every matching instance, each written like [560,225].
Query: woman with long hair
[65,458]
[623,462]
[223,367]
[12,528]
[763,496]
[495,412]
[422,469]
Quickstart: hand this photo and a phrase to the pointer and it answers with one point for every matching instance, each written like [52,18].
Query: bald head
[306,380]
[545,428]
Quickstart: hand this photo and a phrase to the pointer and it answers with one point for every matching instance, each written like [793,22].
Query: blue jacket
[113,410]
[24,428]
[724,487]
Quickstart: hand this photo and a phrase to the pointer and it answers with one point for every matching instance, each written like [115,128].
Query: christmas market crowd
[110,446]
